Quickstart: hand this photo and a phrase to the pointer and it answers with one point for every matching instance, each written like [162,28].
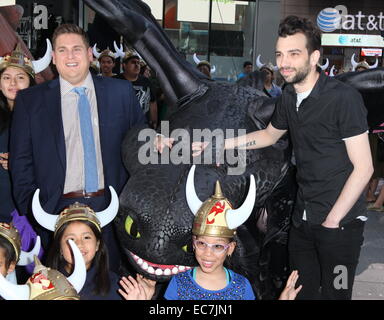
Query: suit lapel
[53,101]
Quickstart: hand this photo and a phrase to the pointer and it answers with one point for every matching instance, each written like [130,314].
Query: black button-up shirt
[332,112]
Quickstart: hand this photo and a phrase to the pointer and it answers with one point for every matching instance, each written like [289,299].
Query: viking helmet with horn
[200,62]
[332,71]
[363,64]
[76,211]
[325,65]
[18,59]
[9,232]
[105,53]
[48,284]
[261,65]
[215,217]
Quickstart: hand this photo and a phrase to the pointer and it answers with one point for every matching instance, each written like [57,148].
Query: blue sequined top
[183,287]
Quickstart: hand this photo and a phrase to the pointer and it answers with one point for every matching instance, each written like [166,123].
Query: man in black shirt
[141,85]
[327,122]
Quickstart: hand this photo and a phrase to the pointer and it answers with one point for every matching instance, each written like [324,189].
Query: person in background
[247,69]
[270,88]
[142,86]
[107,63]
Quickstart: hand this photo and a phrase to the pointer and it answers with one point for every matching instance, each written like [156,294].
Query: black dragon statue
[154,222]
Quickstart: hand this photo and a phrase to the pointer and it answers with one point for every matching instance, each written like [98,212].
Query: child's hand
[132,290]
[147,284]
[289,292]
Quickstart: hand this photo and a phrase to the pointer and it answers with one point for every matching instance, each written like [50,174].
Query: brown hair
[69,28]
[293,24]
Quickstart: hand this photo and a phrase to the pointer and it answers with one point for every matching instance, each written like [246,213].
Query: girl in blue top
[213,230]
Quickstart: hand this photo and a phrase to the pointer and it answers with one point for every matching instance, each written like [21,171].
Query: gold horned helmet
[48,284]
[215,217]
[18,59]
[75,212]
[9,232]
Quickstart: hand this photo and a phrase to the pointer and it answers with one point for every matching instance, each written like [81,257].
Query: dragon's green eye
[188,248]
[131,228]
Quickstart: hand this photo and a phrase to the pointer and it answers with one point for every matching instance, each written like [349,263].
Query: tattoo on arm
[247,145]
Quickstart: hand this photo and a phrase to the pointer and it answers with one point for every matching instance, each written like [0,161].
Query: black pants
[326,259]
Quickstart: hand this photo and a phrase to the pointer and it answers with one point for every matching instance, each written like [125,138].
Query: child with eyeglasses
[213,232]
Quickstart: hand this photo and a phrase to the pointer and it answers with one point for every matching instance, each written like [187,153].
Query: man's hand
[198,147]
[330,224]
[161,142]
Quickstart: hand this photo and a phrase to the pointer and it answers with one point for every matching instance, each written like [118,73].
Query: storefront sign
[371,52]
[4,3]
[352,40]
[331,19]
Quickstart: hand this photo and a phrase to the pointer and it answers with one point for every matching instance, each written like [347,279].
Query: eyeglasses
[215,247]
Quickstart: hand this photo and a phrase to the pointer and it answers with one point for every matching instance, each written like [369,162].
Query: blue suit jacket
[37,145]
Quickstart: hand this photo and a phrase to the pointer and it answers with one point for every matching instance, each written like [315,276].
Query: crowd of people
[61,167]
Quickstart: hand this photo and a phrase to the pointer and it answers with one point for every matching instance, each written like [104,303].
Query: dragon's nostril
[132,228]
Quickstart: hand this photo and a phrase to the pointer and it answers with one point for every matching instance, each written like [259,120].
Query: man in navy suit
[46,148]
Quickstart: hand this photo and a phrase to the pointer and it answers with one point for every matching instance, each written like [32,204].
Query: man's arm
[21,157]
[254,140]
[360,155]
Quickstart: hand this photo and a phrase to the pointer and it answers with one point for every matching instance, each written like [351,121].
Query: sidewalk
[369,280]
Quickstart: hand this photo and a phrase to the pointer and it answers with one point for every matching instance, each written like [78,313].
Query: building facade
[226,32]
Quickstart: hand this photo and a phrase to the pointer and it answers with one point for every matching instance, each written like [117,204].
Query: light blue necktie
[90,165]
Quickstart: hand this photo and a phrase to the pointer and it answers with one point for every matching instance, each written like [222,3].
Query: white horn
[196,59]
[27,257]
[353,62]
[119,51]
[331,72]
[375,65]
[79,274]
[193,200]
[258,62]
[95,52]
[213,69]
[45,219]
[237,217]
[11,291]
[41,64]
[107,215]
[325,65]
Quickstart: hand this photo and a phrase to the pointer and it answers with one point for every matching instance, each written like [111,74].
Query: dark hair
[247,63]
[5,111]
[293,24]
[126,60]
[9,251]
[55,260]
[69,28]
